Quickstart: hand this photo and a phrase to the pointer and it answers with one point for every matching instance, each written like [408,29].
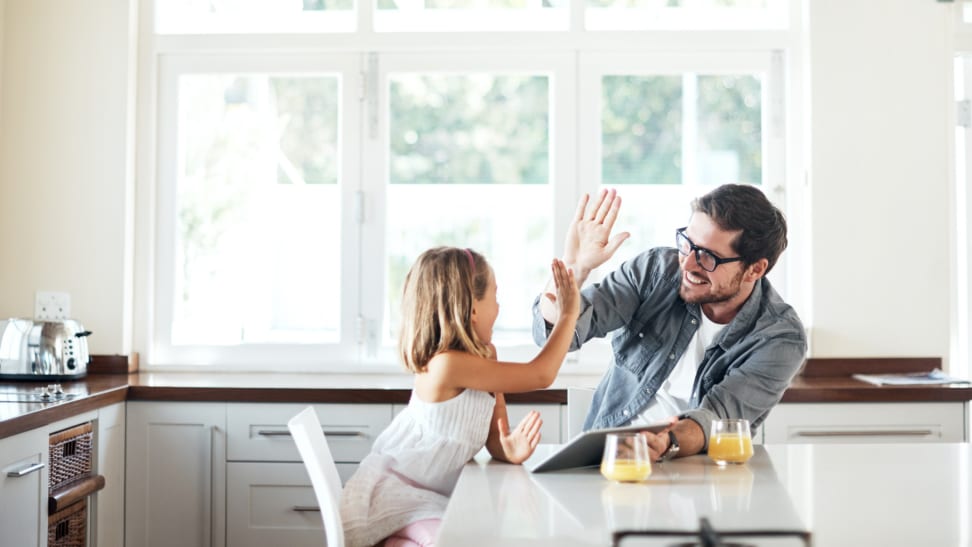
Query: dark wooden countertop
[821,381]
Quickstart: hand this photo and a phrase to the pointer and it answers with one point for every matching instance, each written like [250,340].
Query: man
[701,333]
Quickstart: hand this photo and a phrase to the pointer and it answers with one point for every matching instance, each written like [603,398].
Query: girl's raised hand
[567,299]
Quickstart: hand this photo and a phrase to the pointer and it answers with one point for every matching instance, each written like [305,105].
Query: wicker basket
[69,455]
[68,527]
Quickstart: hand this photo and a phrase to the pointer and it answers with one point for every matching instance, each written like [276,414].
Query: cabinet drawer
[271,504]
[551,432]
[865,422]
[258,432]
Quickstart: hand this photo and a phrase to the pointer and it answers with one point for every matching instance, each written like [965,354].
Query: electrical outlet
[51,306]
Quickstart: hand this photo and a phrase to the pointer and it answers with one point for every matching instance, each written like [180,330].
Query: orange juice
[626,470]
[730,447]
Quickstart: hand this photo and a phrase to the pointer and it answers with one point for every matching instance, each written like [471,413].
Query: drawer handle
[868,433]
[285,433]
[26,470]
[306,508]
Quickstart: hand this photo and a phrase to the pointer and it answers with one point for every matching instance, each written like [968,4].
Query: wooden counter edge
[61,411]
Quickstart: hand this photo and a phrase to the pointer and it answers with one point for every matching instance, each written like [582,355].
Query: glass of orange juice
[626,457]
[730,441]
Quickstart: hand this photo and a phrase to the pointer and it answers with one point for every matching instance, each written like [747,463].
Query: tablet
[585,449]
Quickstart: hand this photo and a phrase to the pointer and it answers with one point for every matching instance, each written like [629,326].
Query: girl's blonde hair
[437,305]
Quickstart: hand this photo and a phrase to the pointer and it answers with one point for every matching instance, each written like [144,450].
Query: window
[962,76]
[305,153]
[667,129]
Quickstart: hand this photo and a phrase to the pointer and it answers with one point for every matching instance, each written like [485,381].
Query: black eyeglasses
[706,258]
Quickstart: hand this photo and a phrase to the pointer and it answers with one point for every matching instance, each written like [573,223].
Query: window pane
[217,16]
[668,139]
[641,134]
[509,225]
[474,15]
[730,130]
[692,4]
[470,168]
[469,129]
[685,14]
[257,187]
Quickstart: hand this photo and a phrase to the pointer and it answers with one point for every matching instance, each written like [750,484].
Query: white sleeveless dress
[414,466]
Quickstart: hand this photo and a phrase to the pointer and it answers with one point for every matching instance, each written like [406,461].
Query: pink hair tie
[472,262]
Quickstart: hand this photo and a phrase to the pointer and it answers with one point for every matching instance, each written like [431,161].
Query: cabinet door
[865,422]
[176,474]
[107,506]
[23,489]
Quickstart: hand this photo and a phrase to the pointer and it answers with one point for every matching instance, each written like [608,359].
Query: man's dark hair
[743,207]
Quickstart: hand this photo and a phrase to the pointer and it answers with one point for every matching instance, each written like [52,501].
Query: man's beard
[724,295]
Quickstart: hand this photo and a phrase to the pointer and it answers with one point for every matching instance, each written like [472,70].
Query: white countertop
[887,494]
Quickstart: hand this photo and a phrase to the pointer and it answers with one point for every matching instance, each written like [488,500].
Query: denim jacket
[742,375]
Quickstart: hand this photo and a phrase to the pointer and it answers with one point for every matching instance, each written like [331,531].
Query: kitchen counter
[850,494]
[821,381]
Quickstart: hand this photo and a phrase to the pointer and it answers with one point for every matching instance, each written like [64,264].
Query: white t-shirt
[674,395]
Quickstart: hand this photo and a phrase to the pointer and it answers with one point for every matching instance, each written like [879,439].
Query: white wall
[879,99]
[64,183]
[879,170]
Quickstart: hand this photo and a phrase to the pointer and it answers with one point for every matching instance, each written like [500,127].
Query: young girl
[400,490]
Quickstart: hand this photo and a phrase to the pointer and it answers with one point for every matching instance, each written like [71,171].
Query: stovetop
[52,393]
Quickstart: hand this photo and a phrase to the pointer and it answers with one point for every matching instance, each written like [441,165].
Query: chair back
[306,430]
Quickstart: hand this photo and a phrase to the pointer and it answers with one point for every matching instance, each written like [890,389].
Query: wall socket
[52,306]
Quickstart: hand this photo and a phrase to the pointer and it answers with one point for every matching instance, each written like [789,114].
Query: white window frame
[961,149]
[302,356]
[560,67]
[365,58]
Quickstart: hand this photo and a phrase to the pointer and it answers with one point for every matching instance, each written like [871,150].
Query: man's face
[703,287]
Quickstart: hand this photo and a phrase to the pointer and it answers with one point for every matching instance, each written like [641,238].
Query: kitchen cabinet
[554,428]
[108,504]
[23,489]
[866,422]
[269,497]
[551,431]
[175,474]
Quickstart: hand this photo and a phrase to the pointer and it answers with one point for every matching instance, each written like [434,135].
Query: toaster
[50,350]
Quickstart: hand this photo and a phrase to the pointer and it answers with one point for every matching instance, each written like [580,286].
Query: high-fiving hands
[589,244]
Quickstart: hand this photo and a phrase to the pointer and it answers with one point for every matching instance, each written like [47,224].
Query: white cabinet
[269,498]
[175,474]
[866,422]
[23,489]
[271,504]
[108,504]
[553,430]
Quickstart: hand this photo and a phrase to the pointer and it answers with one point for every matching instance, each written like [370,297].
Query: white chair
[306,430]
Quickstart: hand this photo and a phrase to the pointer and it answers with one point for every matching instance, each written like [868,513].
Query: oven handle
[26,470]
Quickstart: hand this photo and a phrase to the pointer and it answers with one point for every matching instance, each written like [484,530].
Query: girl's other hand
[567,299]
[519,444]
